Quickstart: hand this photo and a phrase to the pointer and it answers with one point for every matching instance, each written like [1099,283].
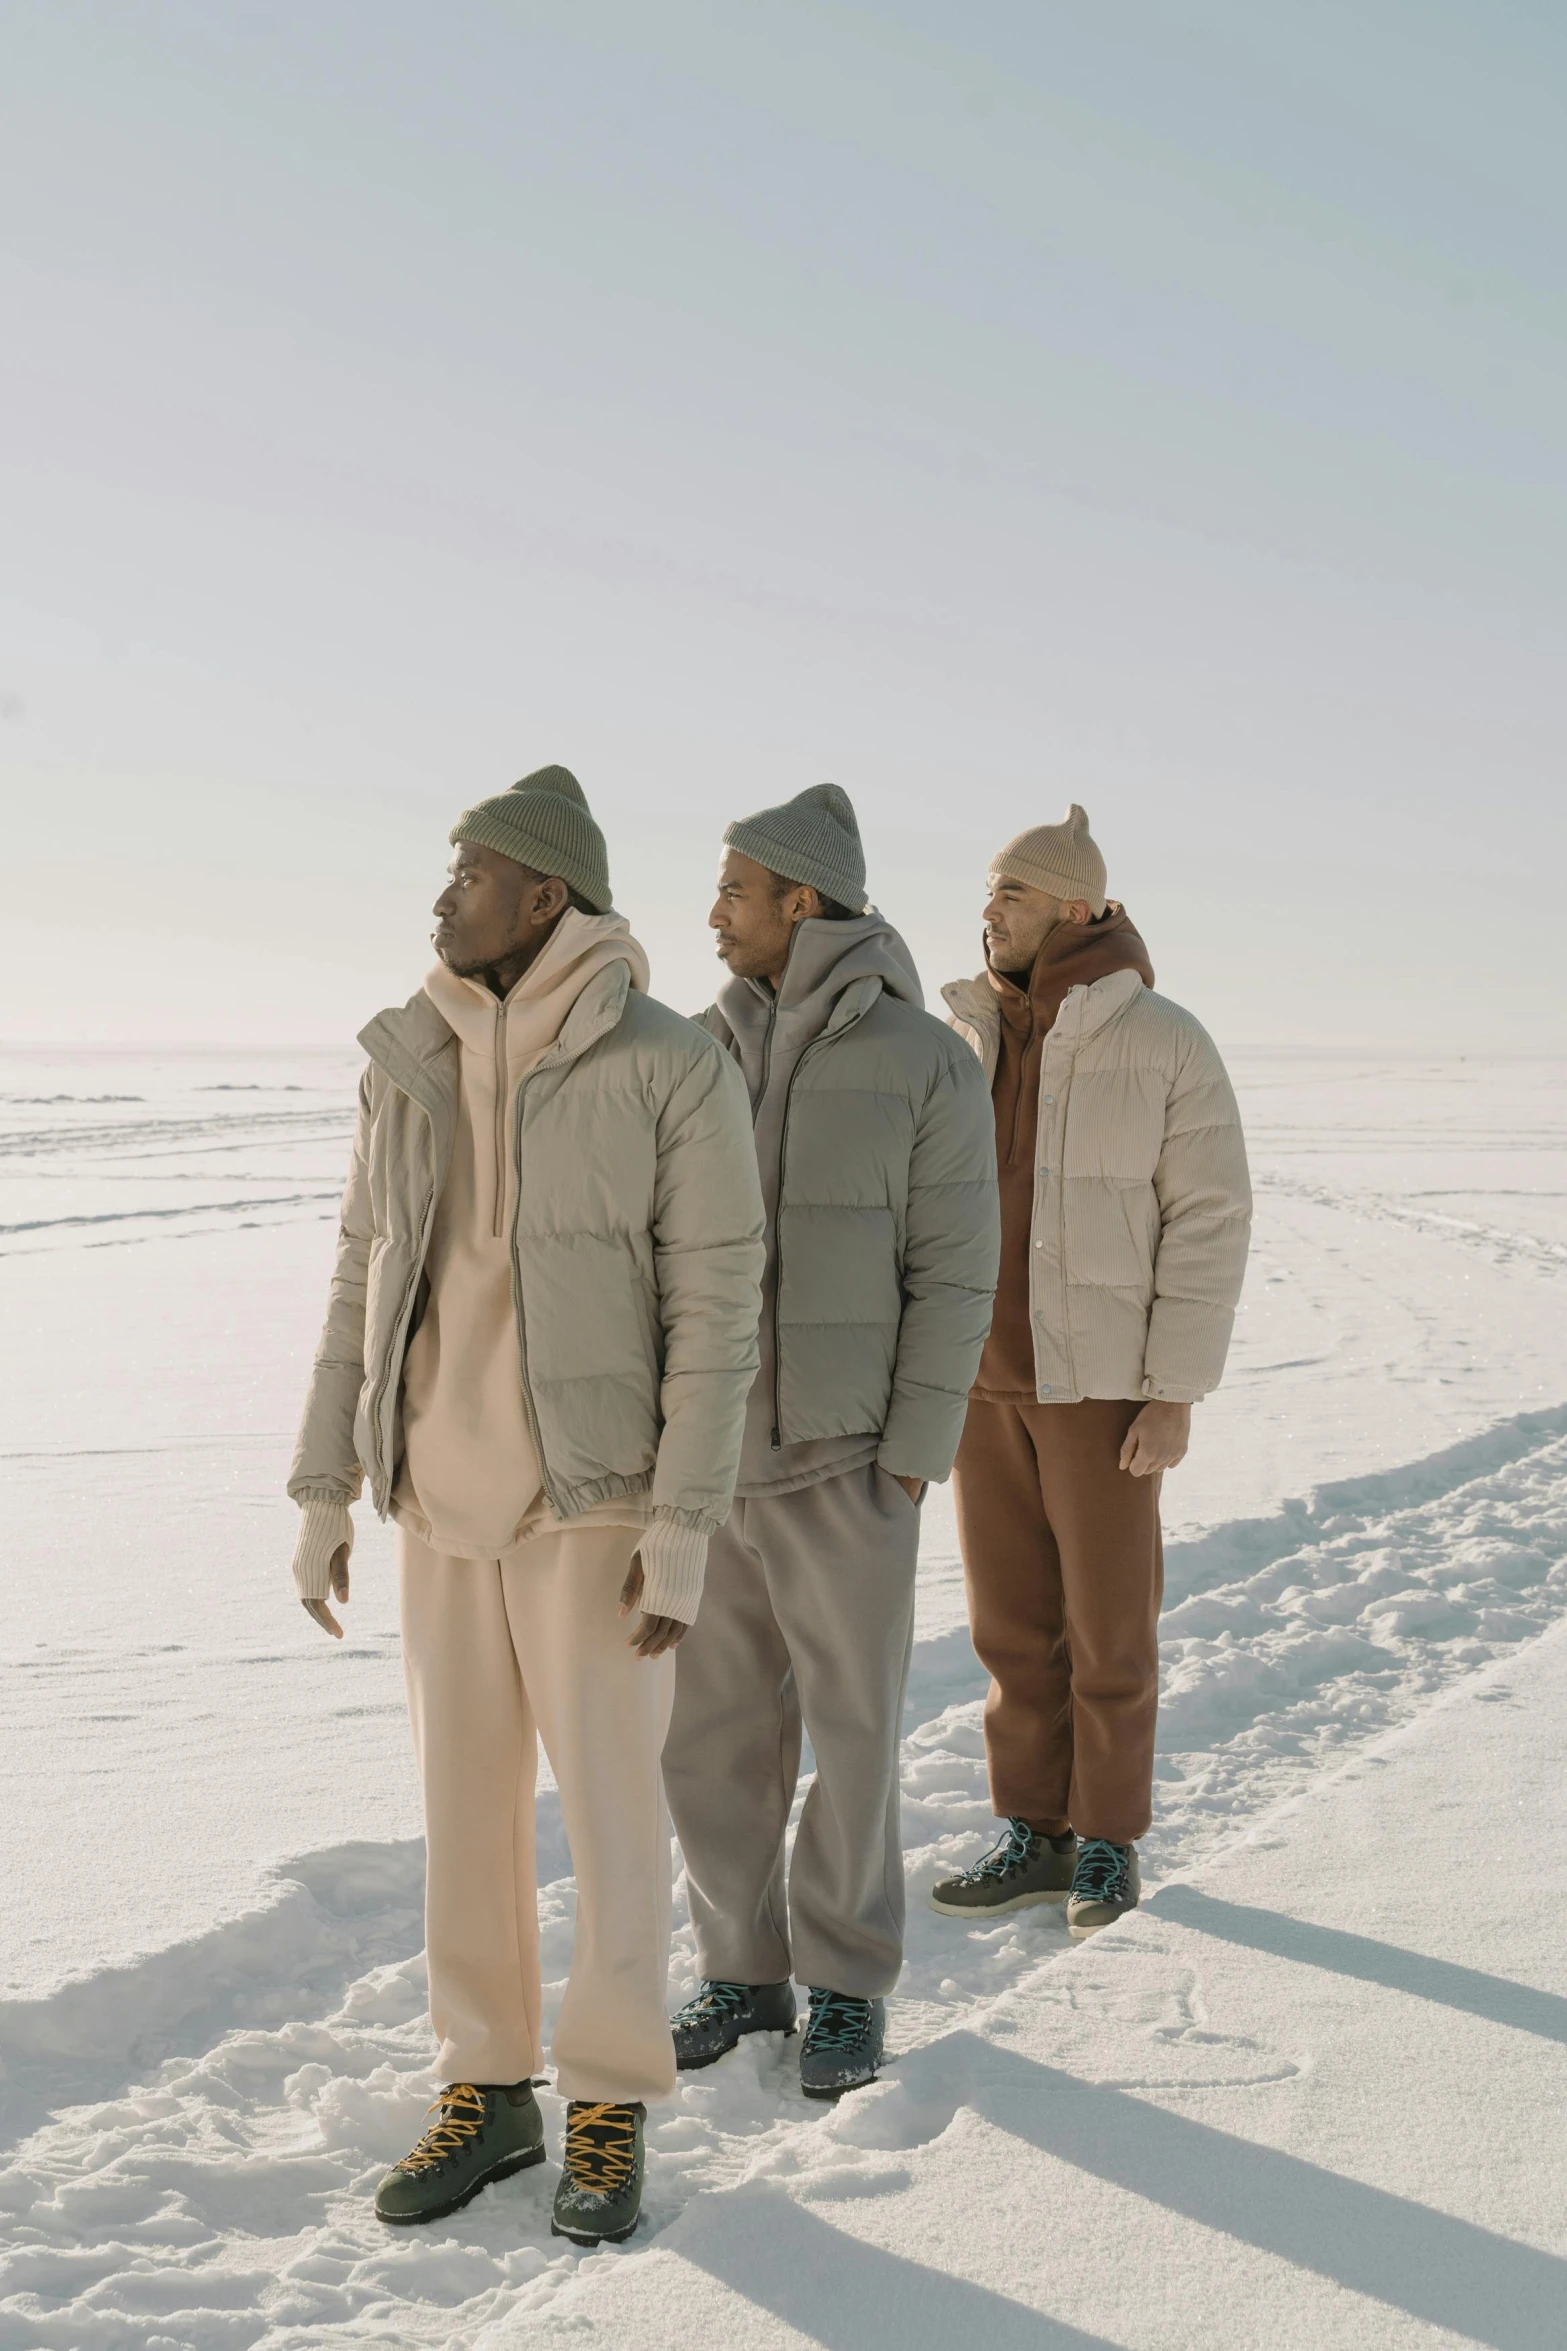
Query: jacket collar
[1084,1011]
[856,998]
[417,1046]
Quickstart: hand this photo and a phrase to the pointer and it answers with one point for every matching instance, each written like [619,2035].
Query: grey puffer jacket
[878,1157]
[636,1249]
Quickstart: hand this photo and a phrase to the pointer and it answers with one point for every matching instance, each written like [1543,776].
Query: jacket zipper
[534,1431]
[783,1155]
[1064,1087]
[405,1312]
[767,1060]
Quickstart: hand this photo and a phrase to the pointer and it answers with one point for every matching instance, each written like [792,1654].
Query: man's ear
[1077,910]
[549,899]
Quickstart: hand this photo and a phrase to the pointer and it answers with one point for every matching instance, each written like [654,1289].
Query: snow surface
[209,1968]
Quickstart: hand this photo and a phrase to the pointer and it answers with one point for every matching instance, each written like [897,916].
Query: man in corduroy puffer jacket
[538,1343]
[874,1147]
[1125,1218]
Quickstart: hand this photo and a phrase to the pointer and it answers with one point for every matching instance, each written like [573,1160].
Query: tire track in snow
[219,2199]
[140,1138]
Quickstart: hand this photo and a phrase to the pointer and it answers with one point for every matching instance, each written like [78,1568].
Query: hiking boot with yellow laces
[485,2132]
[600,2193]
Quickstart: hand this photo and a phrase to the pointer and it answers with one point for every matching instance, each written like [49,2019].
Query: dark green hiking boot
[708,2027]
[843,2043]
[600,2194]
[1021,1868]
[486,2131]
[1105,1886]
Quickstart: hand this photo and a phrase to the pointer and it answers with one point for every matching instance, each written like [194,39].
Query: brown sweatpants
[1064,1566]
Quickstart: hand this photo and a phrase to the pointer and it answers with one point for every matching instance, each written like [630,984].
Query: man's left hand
[654,1634]
[1157,1439]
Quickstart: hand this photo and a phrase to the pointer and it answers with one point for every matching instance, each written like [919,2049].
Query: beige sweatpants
[498,1654]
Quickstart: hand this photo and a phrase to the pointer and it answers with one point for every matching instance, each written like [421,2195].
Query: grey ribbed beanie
[544,823]
[815,838]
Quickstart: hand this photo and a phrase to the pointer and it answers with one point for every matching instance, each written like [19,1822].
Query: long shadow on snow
[1446,2271]
[845,2294]
[1467,1989]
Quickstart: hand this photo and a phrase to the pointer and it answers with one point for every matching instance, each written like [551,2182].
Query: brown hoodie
[1072,956]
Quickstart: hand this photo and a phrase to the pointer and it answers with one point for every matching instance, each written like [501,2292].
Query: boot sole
[1083,1934]
[502,2171]
[595,2236]
[697,2064]
[844,2089]
[997,1909]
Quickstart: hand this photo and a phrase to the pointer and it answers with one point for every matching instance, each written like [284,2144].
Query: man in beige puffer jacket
[540,1336]
[1125,1217]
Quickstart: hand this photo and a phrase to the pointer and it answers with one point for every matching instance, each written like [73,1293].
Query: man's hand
[318,1608]
[1157,1439]
[654,1634]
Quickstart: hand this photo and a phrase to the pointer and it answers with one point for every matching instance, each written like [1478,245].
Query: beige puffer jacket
[1142,1203]
[636,1249]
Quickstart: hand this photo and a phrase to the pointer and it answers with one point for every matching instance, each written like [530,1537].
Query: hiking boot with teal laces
[599,2198]
[486,2131]
[709,2025]
[1021,1868]
[844,2036]
[1105,1886]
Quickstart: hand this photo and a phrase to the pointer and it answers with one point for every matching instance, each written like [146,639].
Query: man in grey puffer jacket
[875,1146]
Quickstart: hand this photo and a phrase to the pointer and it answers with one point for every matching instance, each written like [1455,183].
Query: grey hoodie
[768,1034]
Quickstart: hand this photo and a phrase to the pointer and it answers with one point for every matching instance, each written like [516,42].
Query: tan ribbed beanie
[1061,858]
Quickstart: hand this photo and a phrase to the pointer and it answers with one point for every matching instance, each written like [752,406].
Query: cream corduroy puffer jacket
[1142,1203]
[637,1260]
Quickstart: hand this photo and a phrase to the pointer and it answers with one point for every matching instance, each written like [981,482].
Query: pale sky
[985,407]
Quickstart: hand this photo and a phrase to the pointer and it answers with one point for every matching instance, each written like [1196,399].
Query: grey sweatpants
[807,1615]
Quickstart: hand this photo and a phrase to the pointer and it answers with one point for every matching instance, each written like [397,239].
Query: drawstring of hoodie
[500,1118]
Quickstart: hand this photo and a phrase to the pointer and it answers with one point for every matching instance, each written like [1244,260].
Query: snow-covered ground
[209,1954]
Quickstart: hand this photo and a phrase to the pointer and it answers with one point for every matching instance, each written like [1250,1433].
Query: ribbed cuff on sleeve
[323,1525]
[674,1561]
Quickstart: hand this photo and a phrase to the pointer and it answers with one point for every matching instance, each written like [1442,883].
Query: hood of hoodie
[826,959]
[1073,956]
[535,1009]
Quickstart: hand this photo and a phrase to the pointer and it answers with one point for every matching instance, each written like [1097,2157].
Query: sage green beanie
[815,838]
[544,823]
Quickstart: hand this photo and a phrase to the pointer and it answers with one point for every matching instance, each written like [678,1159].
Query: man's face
[484,913]
[1018,920]
[753,920]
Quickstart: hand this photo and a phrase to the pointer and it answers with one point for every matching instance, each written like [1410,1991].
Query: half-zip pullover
[772,1034]
[469,1482]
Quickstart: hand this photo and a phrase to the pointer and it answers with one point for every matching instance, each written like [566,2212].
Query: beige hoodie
[469,1484]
